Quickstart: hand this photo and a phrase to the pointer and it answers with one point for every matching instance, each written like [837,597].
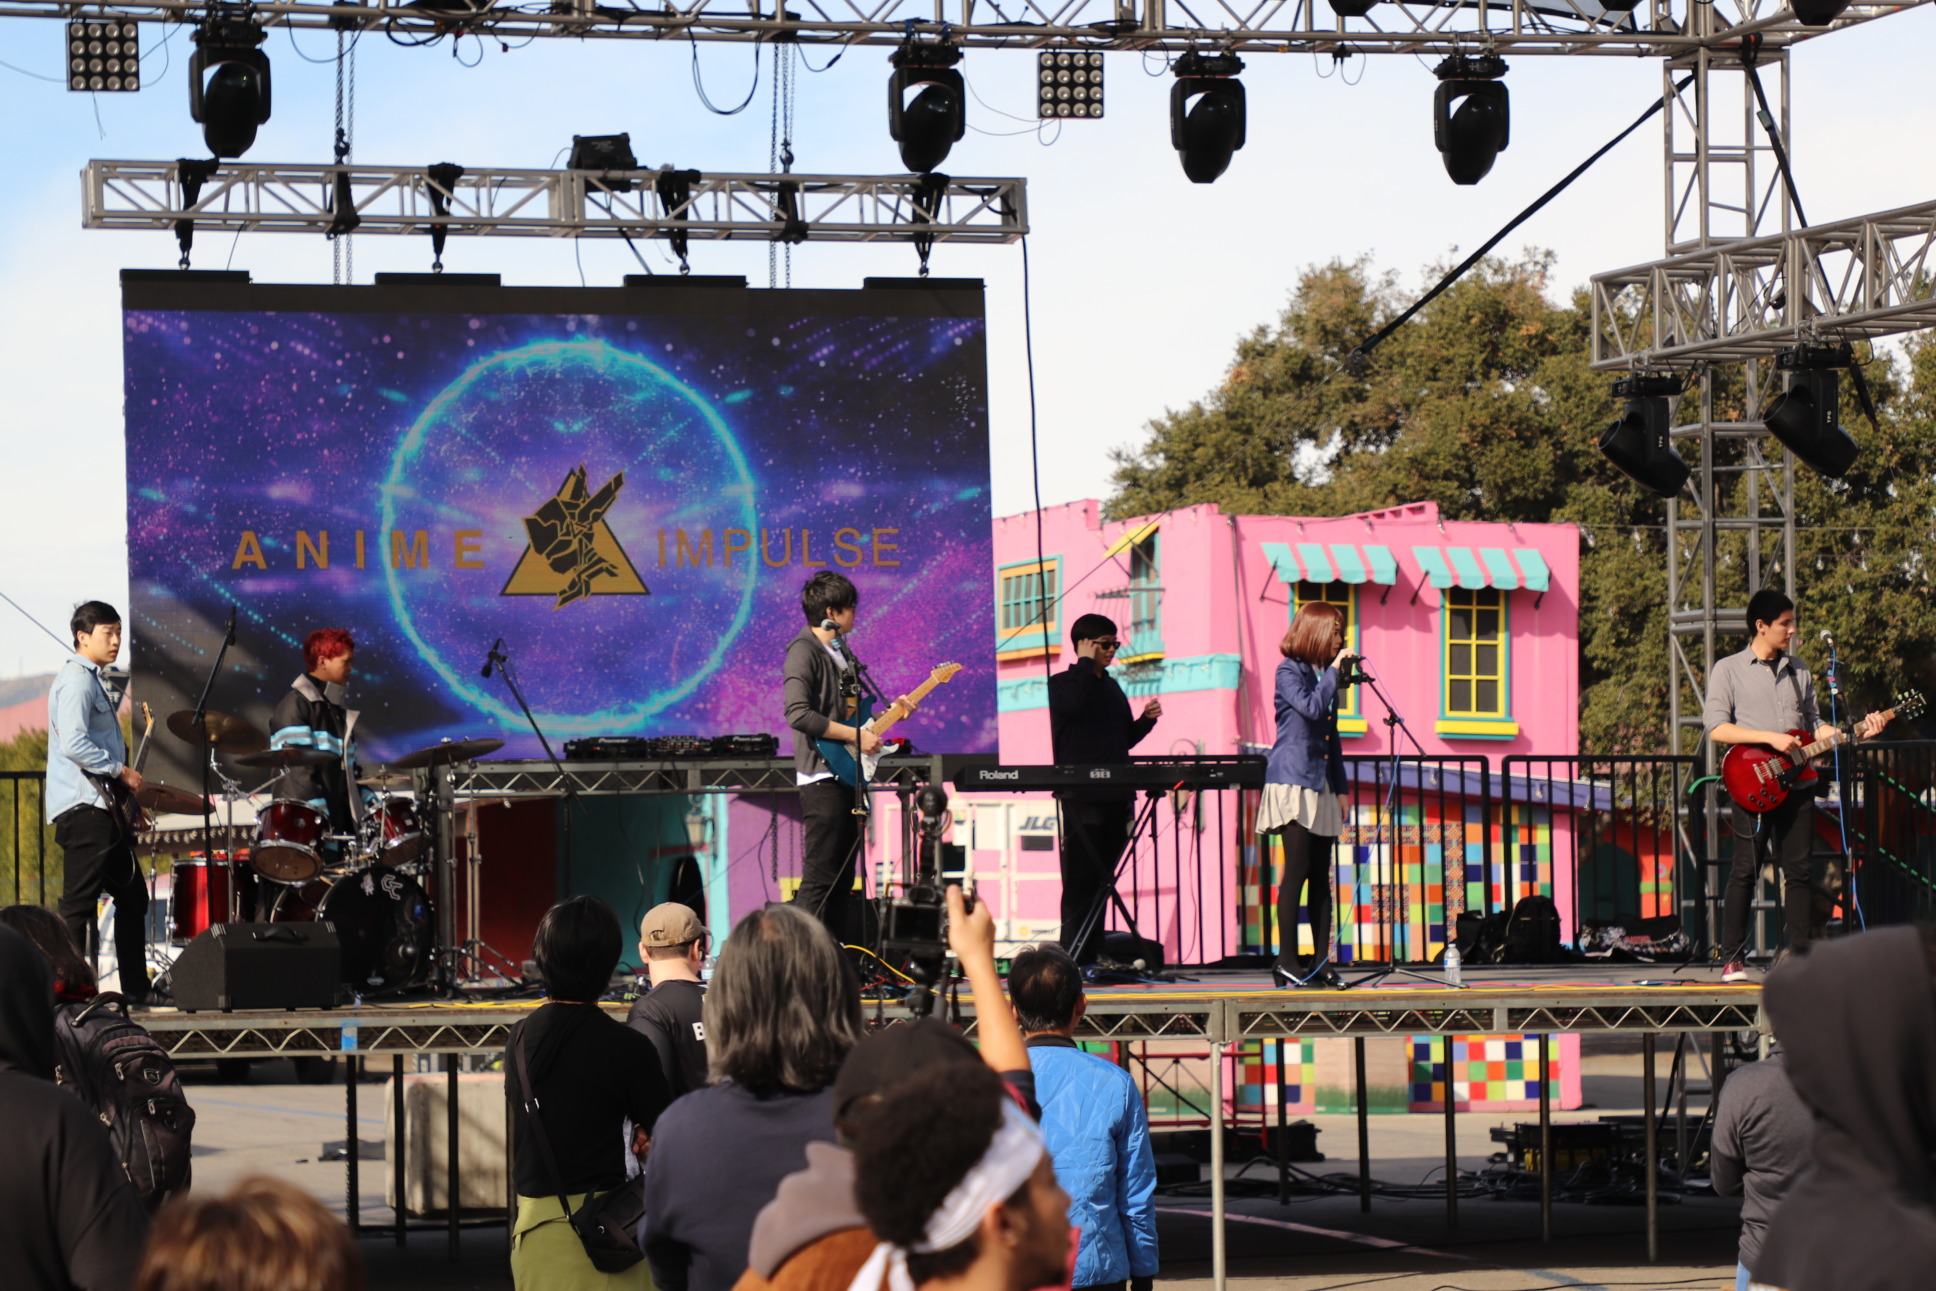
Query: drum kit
[369,883]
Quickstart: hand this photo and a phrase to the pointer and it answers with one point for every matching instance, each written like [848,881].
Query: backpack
[1533,932]
[111,1063]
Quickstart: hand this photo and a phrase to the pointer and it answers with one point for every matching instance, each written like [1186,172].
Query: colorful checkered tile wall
[1494,1073]
[1256,1088]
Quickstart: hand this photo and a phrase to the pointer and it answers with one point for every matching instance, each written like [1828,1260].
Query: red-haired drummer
[313,716]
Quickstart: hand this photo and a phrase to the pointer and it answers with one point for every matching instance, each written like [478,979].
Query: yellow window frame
[1476,602]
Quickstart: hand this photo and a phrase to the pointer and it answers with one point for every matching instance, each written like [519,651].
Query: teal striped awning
[1331,562]
[1507,569]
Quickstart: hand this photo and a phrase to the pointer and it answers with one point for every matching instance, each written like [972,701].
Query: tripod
[1393,967]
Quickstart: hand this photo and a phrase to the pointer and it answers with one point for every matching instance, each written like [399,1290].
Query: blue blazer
[1307,750]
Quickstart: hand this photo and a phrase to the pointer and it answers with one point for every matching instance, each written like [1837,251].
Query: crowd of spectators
[814,1155]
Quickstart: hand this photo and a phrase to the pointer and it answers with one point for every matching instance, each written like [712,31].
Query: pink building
[1471,629]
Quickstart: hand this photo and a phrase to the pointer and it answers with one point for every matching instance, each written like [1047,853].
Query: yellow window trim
[1353,726]
[1033,652]
[1141,658]
[1499,729]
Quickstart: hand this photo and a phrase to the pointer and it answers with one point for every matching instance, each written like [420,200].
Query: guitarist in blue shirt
[85,746]
[821,686]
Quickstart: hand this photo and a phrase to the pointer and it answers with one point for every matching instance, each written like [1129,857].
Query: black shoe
[1327,979]
[1283,978]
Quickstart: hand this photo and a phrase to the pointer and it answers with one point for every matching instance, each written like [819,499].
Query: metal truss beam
[1522,27]
[744,775]
[1867,277]
[274,198]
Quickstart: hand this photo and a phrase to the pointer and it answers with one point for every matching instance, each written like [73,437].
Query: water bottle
[1452,977]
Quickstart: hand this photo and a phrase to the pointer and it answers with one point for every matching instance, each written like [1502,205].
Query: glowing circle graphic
[497,444]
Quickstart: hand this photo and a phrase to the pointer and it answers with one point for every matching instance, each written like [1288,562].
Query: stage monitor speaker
[259,966]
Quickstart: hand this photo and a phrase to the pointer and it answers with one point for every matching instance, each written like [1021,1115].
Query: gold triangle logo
[572,552]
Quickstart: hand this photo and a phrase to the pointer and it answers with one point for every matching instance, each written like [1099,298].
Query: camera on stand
[914,923]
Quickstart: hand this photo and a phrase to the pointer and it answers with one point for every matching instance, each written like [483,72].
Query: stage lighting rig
[1807,417]
[228,83]
[1207,113]
[1817,13]
[103,54]
[928,124]
[1471,115]
[1638,442]
[604,153]
[1069,85]
[1357,8]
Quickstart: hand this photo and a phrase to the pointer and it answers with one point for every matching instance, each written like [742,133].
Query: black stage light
[604,153]
[1471,115]
[1638,443]
[1207,113]
[103,54]
[1807,417]
[927,125]
[228,84]
[1359,8]
[1817,13]
[1068,85]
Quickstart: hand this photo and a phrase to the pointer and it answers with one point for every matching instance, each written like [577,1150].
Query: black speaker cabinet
[259,966]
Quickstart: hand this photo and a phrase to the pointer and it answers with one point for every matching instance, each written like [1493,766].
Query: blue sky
[1141,284]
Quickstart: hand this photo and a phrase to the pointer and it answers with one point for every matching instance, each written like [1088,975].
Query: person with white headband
[953,1177]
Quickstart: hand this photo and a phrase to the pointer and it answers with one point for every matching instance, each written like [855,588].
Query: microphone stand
[196,724]
[1394,723]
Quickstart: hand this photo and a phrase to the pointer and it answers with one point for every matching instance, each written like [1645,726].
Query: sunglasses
[1108,643]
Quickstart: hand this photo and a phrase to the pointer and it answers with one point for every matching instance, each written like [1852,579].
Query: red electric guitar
[1760,779]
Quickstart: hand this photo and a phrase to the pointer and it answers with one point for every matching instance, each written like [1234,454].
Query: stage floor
[1218,1005]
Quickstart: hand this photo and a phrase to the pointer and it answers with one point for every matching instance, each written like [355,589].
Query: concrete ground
[274,1125]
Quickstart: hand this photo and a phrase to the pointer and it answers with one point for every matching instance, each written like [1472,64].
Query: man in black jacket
[1090,722]
[821,684]
[72,1218]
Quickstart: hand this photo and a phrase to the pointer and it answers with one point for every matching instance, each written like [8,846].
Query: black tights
[1307,861]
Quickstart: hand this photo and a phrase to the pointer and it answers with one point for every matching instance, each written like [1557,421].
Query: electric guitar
[130,817]
[1760,779]
[841,757]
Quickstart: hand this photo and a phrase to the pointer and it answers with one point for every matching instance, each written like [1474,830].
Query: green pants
[546,1254]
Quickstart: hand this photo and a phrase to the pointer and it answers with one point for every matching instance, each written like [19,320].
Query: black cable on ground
[1363,349]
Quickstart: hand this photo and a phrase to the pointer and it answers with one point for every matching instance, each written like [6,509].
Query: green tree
[30,863]
[1484,404]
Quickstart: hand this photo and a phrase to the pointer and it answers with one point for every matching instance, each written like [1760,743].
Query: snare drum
[201,895]
[289,837]
[396,835]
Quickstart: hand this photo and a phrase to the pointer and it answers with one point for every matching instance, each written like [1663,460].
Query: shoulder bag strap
[535,1115]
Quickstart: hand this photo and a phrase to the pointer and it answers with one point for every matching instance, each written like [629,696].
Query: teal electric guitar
[849,765]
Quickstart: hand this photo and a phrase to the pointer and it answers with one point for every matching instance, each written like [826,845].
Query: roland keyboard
[1151,773]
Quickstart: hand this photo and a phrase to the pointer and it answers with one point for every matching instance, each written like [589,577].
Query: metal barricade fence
[1611,831]
[26,842]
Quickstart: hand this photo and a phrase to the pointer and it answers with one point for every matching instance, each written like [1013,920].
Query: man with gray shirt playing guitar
[1762,696]
[84,746]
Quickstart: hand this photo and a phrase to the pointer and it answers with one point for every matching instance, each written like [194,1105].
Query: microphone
[493,658]
[1826,637]
[1351,671]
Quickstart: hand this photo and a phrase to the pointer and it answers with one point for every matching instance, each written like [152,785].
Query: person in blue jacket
[1304,786]
[1095,1126]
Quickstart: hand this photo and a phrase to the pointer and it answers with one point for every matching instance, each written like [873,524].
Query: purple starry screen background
[458,411]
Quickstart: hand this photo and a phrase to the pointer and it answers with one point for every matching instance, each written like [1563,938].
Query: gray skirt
[1319,810]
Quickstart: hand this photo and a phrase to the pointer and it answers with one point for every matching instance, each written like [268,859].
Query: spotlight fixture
[228,84]
[1638,442]
[1207,113]
[1807,417]
[1068,85]
[1817,13]
[1359,8]
[103,54]
[604,153]
[926,125]
[1471,115]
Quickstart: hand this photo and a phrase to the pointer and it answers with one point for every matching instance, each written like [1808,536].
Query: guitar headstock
[1910,703]
[943,672]
[147,717]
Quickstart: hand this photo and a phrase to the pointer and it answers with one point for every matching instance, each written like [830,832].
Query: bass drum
[383,922]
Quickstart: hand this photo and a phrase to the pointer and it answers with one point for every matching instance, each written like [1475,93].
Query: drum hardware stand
[474,949]
[199,723]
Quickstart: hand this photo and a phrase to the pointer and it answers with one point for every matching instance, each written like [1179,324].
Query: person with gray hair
[781,1014]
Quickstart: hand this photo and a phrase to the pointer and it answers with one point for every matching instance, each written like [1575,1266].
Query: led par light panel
[103,54]
[1069,85]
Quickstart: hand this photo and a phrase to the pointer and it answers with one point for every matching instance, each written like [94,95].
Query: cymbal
[449,751]
[217,731]
[288,756]
[388,780]
[156,796]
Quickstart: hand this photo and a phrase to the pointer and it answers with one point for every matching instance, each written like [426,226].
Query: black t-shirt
[669,1015]
[592,1074]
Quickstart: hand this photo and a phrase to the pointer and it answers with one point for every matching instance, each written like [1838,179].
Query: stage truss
[1518,27]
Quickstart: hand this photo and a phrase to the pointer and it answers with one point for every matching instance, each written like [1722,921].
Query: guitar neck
[894,712]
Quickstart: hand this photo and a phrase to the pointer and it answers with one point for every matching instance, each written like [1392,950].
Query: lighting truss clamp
[274,198]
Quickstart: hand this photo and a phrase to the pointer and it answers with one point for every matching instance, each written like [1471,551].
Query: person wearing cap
[812,1236]
[672,942]
[956,1182]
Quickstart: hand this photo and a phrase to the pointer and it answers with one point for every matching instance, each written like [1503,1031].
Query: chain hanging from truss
[342,257]
[779,252]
